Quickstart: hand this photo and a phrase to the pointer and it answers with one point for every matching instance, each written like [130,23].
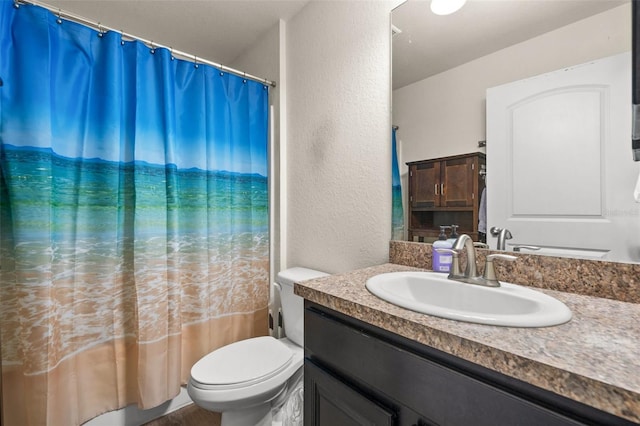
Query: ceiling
[221,30]
[216,30]
[430,44]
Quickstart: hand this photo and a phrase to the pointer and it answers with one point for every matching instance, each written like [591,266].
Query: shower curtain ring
[100,33]
[244,77]
[153,48]
[195,63]
[59,20]
[171,53]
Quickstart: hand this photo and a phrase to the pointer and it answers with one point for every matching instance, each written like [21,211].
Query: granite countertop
[593,359]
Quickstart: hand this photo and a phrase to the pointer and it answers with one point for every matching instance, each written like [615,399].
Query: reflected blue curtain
[397,213]
[134,232]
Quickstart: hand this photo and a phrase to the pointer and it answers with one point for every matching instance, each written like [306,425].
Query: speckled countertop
[593,359]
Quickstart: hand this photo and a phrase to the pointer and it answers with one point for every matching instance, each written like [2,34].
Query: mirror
[443,66]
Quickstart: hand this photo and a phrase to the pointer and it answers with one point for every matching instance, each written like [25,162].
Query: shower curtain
[397,212]
[134,218]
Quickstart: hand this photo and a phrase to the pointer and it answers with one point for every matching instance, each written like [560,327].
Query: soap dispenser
[442,261]
[454,234]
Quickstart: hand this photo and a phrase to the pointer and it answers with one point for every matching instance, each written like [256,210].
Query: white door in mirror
[558,157]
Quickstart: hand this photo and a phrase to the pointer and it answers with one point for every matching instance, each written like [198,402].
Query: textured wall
[338,142]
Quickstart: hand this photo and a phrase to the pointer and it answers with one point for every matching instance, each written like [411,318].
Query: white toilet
[245,379]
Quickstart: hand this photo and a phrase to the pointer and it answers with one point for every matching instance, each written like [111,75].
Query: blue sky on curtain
[134,233]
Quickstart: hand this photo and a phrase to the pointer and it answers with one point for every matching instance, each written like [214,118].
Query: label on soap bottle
[441,261]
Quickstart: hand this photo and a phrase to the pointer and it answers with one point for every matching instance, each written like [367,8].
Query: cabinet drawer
[441,394]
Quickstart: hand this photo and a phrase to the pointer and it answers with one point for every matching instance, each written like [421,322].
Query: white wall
[445,114]
[338,142]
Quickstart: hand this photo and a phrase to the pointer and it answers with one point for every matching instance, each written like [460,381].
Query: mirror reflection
[530,100]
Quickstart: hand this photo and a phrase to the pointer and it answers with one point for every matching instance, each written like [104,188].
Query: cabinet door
[457,179]
[425,184]
[330,402]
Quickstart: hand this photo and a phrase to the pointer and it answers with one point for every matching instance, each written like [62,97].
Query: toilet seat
[242,364]
[246,380]
[243,395]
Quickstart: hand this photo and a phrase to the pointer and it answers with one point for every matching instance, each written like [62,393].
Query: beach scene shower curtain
[134,218]
[397,212]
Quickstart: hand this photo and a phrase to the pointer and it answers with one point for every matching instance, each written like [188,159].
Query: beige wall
[445,114]
[338,136]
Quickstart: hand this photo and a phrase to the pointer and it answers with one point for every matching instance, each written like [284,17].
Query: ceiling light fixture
[446,7]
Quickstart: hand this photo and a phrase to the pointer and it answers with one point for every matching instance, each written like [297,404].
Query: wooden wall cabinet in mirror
[445,191]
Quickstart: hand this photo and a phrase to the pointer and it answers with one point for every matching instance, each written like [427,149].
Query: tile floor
[191,415]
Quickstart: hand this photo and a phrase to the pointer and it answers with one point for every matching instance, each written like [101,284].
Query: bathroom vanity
[371,362]
[445,191]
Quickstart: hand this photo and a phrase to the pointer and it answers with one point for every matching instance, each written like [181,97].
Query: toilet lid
[243,363]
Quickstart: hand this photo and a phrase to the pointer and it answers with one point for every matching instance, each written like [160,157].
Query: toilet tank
[292,305]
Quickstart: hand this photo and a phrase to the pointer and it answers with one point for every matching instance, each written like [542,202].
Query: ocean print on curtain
[134,227]
[397,212]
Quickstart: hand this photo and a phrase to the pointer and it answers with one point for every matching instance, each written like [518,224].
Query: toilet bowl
[246,379]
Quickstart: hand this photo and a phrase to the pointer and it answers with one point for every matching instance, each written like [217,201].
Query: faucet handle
[495,231]
[489,270]
[455,263]
[478,244]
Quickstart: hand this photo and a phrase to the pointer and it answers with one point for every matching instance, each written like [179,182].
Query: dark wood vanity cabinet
[357,374]
[445,191]
[337,403]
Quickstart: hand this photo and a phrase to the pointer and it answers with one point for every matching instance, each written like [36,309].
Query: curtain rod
[102,29]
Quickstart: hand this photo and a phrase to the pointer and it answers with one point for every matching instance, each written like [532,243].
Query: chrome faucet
[470,275]
[465,242]
[503,235]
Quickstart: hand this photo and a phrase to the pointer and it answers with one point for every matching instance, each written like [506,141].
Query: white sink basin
[432,293]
